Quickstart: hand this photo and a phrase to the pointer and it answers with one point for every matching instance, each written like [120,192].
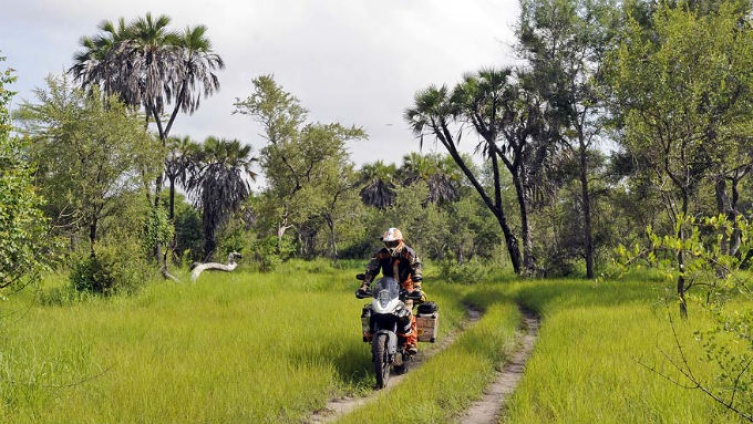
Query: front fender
[391,341]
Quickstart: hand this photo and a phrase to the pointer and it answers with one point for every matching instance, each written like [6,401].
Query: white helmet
[393,241]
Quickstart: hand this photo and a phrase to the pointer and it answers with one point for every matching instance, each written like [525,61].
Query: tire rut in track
[338,407]
[488,409]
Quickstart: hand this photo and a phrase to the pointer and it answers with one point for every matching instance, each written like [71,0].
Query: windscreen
[386,289]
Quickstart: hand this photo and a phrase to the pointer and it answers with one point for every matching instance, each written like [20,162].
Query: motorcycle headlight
[384,298]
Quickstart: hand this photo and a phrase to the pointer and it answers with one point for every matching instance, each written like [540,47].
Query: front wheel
[381,354]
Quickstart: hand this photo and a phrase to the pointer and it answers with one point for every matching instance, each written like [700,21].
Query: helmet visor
[392,244]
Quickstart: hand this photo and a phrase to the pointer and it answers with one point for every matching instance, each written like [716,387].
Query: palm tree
[440,176]
[150,58]
[378,186]
[96,64]
[196,71]
[509,120]
[135,61]
[182,163]
[151,66]
[221,184]
[147,65]
[434,113]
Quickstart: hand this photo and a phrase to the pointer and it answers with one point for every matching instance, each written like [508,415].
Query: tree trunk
[210,244]
[587,237]
[495,206]
[332,241]
[92,236]
[511,241]
[172,199]
[231,265]
[529,262]
[160,181]
[681,288]
[158,244]
[727,206]
[171,219]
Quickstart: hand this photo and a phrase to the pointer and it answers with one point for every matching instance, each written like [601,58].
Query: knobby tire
[381,360]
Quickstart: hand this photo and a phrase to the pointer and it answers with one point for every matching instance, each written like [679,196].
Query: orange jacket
[406,267]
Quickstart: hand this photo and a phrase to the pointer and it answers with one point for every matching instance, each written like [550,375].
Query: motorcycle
[382,320]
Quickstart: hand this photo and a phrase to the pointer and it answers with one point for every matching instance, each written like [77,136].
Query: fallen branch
[231,265]
[168,276]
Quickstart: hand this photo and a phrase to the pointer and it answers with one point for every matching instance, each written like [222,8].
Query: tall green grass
[233,347]
[593,360]
[273,348]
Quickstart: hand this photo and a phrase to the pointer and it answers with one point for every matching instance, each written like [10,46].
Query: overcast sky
[356,62]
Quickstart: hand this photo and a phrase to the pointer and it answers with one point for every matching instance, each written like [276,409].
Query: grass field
[596,346]
[237,347]
[245,347]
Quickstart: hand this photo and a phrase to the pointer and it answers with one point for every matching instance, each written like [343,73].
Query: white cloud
[352,61]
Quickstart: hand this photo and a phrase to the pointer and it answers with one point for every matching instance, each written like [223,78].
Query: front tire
[381,354]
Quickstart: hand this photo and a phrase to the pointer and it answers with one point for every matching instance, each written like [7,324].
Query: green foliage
[682,88]
[270,252]
[23,227]
[709,260]
[158,230]
[234,236]
[92,275]
[92,153]
[117,267]
[189,238]
[713,267]
[310,180]
[473,230]
[468,272]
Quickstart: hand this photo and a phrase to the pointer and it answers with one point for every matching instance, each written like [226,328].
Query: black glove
[363,291]
[415,294]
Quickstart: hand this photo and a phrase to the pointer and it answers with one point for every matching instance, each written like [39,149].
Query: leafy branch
[718,273]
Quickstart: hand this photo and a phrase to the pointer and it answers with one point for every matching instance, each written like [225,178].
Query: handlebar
[404,294]
[362,294]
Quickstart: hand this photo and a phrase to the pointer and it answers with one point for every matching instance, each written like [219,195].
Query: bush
[91,275]
[269,255]
[468,272]
[113,269]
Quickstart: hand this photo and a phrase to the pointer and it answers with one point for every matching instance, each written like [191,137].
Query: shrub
[91,275]
[269,253]
[469,272]
[114,269]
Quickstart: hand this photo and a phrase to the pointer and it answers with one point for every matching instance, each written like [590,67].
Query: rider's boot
[411,339]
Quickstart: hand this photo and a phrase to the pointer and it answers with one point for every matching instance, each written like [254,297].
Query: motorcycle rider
[399,261]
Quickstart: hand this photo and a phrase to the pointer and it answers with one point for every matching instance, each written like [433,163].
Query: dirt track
[486,410]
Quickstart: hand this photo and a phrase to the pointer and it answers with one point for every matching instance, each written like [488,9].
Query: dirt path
[338,407]
[485,411]
[488,409]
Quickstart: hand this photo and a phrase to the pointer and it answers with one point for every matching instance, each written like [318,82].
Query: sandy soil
[490,407]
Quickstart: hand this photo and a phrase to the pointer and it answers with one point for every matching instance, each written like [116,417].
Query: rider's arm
[372,269]
[417,273]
